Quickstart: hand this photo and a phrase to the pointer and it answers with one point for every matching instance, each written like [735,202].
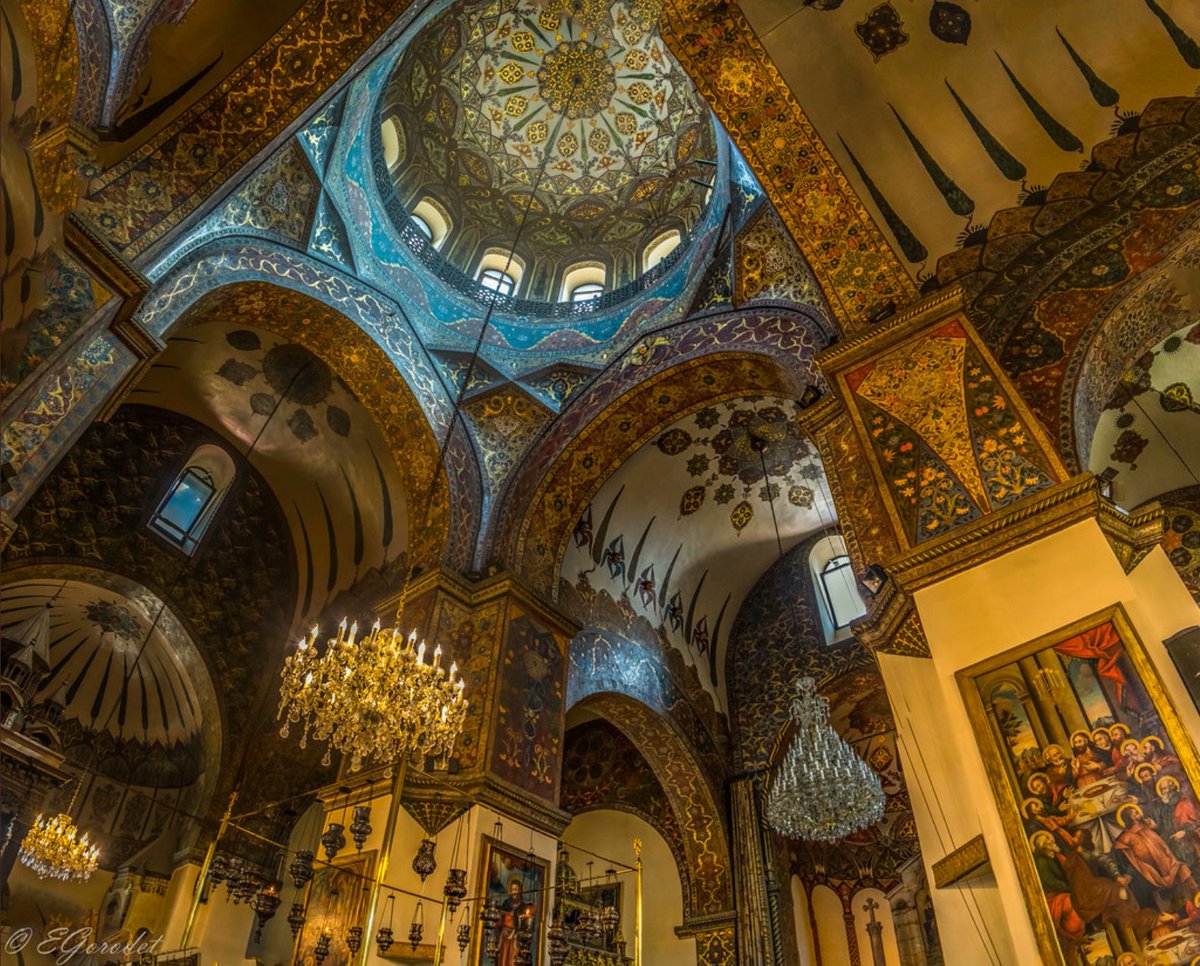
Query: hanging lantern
[244,888]
[417,929]
[321,950]
[423,862]
[360,828]
[296,917]
[559,950]
[464,936]
[354,938]
[301,869]
[218,869]
[333,839]
[266,903]
[384,939]
[455,889]
[525,938]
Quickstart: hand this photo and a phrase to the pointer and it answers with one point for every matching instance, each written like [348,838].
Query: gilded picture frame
[334,899]
[500,867]
[1000,770]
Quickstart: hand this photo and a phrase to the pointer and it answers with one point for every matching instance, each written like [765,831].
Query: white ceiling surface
[1171,457]
[95,637]
[653,484]
[187,379]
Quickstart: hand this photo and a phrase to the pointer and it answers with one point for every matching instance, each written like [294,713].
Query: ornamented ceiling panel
[321,452]
[942,113]
[95,638]
[486,90]
[679,533]
[1149,433]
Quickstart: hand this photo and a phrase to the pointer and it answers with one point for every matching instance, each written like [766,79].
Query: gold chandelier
[53,849]
[376,698]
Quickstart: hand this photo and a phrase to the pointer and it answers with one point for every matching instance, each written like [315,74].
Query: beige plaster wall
[974,615]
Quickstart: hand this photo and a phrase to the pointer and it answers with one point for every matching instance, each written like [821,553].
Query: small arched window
[431,220]
[500,271]
[392,136]
[583,282]
[660,248]
[190,504]
[836,586]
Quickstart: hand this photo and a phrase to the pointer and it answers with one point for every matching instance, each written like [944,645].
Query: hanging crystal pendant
[296,917]
[301,869]
[423,862]
[360,828]
[455,889]
[821,791]
[333,840]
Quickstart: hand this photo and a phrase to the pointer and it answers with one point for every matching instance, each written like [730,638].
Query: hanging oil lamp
[455,889]
[321,950]
[464,936]
[424,863]
[266,903]
[489,916]
[559,950]
[417,929]
[384,937]
[333,839]
[296,917]
[360,828]
[301,869]
[354,938]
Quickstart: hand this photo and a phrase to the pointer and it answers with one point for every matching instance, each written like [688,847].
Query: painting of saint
[515,881]
[1096,784]
[335,902]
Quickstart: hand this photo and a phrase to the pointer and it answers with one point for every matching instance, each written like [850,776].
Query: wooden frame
[1000,771]
[500,864]
[350,875]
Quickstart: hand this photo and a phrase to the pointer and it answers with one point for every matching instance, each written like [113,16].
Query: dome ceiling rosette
[487,91]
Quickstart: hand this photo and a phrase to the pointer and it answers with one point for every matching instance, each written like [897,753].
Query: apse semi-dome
[486,90]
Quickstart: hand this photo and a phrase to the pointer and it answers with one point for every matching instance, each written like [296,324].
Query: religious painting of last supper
[1105,788]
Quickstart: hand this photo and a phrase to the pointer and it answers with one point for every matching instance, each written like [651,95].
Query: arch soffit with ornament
[657,381]
[249,293]
[710,881]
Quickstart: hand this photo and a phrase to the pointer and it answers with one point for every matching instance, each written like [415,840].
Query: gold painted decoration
[1095,778]
[852,260]
[947,438]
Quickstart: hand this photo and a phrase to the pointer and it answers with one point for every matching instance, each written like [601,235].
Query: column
[754,915]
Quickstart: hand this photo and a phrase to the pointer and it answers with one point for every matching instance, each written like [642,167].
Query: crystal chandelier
[376,698]
[53,849]
[822,791]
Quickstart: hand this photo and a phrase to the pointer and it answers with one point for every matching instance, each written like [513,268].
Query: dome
[486,89]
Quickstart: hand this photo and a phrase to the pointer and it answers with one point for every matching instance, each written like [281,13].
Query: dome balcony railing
[456,278]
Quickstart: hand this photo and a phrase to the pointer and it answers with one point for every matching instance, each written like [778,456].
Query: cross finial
[870,906]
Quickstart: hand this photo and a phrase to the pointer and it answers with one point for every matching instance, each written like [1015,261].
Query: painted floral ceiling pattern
[487,91]
[675,538]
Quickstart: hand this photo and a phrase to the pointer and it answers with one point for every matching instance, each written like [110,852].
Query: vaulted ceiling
[681,530]
[486,92]
[942,113]
[313,441]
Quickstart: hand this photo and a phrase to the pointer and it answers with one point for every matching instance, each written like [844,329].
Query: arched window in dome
[431,220]
[187,509]
[392,136]
[660,248]
[500,270]
[583,282]
[833,577]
